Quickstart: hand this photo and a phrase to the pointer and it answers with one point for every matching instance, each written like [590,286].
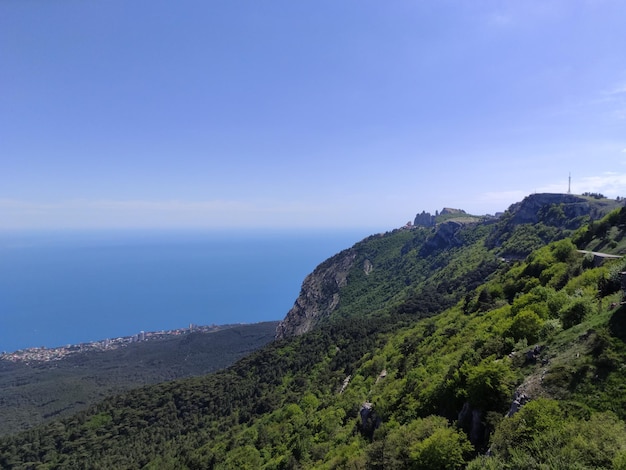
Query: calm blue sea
[71,287]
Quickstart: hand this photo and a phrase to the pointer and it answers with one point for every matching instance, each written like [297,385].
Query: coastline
[76,287]
[44,354]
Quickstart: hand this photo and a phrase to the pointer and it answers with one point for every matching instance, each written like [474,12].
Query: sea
[60,288]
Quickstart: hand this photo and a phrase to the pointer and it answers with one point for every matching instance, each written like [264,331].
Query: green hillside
[440,351]
[37,391]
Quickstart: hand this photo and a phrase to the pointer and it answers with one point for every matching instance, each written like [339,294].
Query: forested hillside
[490,344]
[35,391]
[423,270]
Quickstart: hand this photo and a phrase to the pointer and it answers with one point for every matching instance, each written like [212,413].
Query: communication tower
[569,184]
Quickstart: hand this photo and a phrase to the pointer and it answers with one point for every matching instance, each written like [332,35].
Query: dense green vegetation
[40,391]
[443,356]
[420,271]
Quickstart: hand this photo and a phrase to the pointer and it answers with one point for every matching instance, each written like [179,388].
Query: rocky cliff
[552,209]
[319,295]
[451,211]
[425,219]
[444,236]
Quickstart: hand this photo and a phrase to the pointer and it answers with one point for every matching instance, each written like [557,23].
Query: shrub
[542,433]
[563,250]
[549,329]
[576,312]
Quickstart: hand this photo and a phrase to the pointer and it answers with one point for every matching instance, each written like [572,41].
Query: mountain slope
[389,379]
[431,268]
[409,270]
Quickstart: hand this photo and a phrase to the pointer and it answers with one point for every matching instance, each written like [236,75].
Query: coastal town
[43,354]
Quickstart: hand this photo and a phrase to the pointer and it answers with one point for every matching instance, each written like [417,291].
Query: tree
[526,324]
[489,384]
[423,443]
[444,449]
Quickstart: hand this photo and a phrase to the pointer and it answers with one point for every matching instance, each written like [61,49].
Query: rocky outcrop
[561,210]
[559,213]
[471,421]
[368,267]
[534,208]
[425,219]
[519,400]
[445,236]
[449,210]
[319,295]
[370,421]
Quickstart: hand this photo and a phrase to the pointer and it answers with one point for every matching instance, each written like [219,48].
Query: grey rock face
[425,219]
[444,237]
[370,421]
[529,211]
[449,210]
[471,419]
[319,295]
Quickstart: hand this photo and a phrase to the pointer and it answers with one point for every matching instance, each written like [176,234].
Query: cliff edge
[319,295]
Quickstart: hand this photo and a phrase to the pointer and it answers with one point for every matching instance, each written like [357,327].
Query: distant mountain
[475,343]
[431,266]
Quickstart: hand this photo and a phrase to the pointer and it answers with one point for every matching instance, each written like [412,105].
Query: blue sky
[303,114]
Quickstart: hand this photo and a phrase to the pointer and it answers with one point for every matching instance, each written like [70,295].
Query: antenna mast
[569,184]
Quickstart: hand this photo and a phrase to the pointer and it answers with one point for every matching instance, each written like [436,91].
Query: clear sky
[305,114]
